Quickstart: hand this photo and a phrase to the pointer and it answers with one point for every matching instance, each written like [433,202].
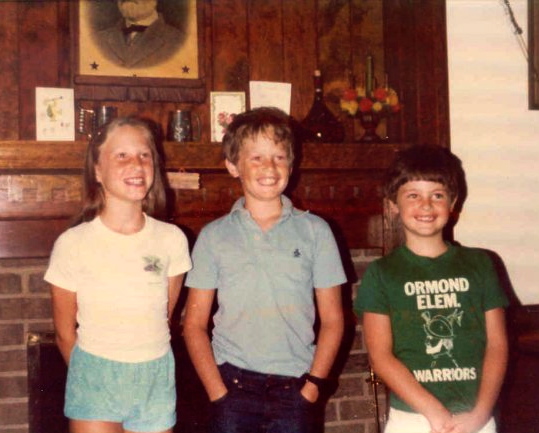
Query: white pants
[407,422]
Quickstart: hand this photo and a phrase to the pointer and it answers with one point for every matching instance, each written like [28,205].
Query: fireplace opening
[46,384]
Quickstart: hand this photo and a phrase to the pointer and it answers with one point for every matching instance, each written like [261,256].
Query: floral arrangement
[382,101]
[224,119]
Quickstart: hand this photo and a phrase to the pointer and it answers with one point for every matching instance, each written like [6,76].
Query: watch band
[321,383]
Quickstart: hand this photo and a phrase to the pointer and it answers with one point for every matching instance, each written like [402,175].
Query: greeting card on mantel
[55,114]
[270,94]
[223,108]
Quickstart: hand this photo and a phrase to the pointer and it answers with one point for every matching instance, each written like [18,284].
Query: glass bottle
[320,125]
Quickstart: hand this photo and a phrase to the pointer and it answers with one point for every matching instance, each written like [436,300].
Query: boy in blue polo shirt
[267,264]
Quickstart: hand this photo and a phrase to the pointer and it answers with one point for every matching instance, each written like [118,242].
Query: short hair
[425,162]
[94,198]
[249,124]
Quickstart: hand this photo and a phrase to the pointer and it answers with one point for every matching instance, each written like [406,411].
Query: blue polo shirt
[264,281]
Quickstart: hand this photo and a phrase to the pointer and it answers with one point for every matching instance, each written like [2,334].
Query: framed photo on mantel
[157,59]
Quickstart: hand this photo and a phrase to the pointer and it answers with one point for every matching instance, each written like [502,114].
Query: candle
[368,76]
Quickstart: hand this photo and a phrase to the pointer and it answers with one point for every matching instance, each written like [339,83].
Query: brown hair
[94,197]
[426,162]
[263,120]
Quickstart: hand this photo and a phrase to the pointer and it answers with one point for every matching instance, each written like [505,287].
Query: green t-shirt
[437,310]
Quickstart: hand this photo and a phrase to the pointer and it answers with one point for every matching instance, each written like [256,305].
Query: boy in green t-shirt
[433,312]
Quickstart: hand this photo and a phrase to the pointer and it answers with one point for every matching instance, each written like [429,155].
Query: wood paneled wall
[415,41]
[268,40]
[242,40]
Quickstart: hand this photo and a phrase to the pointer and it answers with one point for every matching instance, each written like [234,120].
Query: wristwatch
[321,383]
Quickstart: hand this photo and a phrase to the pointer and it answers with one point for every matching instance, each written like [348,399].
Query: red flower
[365,105]
[350,95]
[382,101]
[380,94]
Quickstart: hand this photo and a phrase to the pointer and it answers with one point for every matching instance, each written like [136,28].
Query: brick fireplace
[40,190]
[25,311]
[24,308]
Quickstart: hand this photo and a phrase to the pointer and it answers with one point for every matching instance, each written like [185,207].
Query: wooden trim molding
[45,155]
[41,190]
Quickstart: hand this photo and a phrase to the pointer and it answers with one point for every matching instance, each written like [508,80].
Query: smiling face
[424,208]
[263,167]
[125,167]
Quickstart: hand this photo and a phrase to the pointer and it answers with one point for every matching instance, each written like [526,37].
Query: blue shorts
[141,396]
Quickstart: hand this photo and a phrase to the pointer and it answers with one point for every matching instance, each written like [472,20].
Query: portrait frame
[533,60]
[98,76]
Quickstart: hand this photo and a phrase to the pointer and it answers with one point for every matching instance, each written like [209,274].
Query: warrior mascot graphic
[440,334]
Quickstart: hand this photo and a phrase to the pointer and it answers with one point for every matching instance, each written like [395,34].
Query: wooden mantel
[40,190]
[47,155]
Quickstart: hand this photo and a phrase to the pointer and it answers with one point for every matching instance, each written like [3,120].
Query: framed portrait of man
[138,43]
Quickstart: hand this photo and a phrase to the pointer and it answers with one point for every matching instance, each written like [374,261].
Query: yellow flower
[349,106]
[361,92]
[393,98]
[377,106]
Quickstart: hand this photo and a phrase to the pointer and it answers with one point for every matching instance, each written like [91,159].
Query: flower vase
[369,122]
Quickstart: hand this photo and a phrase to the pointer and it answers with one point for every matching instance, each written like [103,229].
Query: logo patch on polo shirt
[297,253]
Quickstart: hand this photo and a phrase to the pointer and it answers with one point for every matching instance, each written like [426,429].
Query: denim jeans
[262,403]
